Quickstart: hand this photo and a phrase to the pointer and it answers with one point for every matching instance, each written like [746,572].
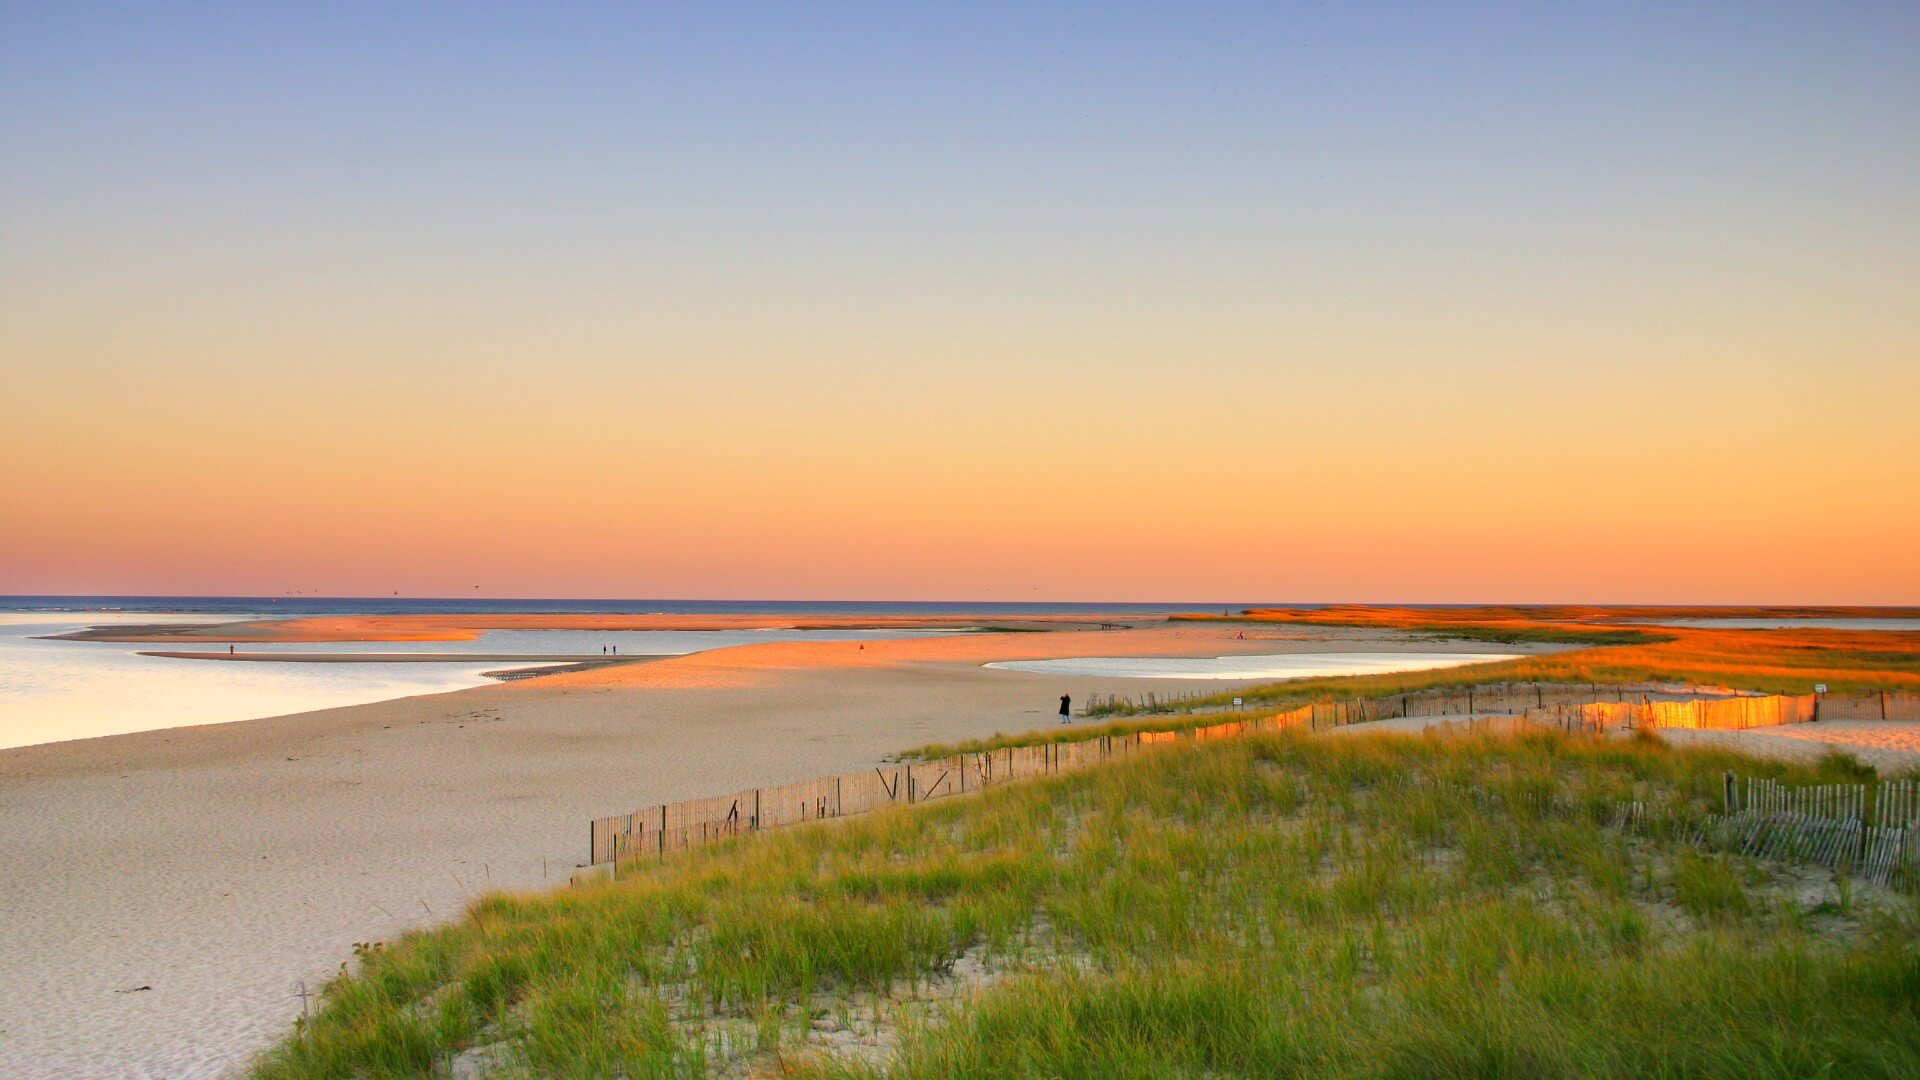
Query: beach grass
[1775,661]
[1280,905]
[1784,661]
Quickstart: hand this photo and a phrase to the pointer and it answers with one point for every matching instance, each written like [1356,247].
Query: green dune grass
[1260,907]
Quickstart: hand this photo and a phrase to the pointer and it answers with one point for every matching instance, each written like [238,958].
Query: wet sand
[402,658]
[467,627]
[222,865]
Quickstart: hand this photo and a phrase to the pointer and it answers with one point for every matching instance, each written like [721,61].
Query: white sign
[1236,703]
[1819,688]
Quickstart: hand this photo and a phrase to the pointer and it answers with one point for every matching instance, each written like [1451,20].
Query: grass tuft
[1269,906]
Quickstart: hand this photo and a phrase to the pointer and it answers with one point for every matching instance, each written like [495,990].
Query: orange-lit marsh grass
[1279,905]
[1627,648]
[1772,661]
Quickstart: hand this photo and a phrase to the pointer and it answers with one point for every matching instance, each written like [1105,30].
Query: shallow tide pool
[1265,667]
[51,691]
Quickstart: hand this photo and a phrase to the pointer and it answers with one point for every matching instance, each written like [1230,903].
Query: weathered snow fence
[658,830]
[1886,820]
[1870,829]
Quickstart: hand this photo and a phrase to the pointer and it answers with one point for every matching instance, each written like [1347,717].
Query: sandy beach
[167,891]
[1892,746]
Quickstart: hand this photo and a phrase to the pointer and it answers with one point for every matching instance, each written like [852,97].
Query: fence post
[909,785]
[836,796]
[1732,800]
[663,830]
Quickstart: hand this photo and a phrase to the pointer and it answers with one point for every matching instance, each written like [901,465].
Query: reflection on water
[56,690]
[1276,666]
[586,643]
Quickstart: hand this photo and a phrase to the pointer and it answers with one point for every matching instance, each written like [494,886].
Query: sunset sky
[1234,302]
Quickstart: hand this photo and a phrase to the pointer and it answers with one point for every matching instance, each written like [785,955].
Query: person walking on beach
[1066,708]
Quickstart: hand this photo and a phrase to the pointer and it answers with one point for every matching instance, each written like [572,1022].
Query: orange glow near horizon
[1241,510]
[590,486]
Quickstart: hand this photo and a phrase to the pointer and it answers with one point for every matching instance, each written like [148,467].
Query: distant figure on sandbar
[229,650]
[616,650]
[1066,709]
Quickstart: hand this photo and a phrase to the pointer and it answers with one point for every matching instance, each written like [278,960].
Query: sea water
[585,644]
[56,690]
[1263,667]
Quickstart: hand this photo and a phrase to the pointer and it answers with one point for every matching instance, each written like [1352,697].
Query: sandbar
[221,867]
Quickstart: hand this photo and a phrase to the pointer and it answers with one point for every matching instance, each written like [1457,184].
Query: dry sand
[219,866]
[1891,746]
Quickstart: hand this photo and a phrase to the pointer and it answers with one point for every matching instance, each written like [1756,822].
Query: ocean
[290,606]
[53,691]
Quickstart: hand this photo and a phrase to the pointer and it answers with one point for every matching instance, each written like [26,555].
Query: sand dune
[221,865]
[167,891]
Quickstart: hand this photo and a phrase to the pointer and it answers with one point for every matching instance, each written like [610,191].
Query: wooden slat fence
[1885,705]
[1577,708]
[1727,713]
[1724,713]
[1872,829]
[658,830]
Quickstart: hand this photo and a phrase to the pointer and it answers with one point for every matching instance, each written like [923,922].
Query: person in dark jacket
[1066,709]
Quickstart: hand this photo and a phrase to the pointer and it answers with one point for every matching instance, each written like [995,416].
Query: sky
[1340,302]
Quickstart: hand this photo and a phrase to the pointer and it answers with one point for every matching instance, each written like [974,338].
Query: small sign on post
[1236,703]
[1819,688]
